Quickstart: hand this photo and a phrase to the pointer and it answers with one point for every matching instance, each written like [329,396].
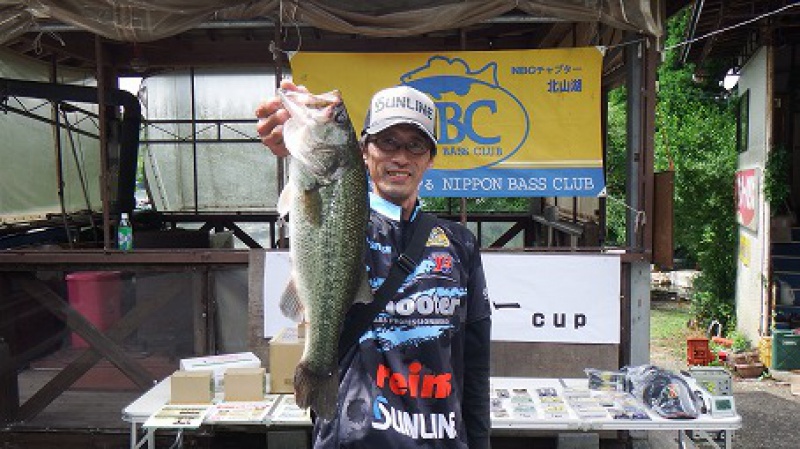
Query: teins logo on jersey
[417,382]
[468,104]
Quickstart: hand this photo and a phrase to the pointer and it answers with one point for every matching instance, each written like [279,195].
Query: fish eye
[341,116]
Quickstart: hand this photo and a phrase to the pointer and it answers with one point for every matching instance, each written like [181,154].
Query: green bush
[740,342]
[777,185]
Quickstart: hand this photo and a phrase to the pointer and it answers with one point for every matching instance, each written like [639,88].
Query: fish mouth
[306,107]
[314,133]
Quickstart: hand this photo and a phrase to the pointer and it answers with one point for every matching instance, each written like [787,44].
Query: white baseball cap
[401,104]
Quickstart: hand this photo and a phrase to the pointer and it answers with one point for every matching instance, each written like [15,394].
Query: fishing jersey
[402,385]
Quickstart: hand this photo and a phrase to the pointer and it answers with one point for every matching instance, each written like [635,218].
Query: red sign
[746,192]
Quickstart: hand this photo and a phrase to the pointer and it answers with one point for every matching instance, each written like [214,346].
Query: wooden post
[9,390]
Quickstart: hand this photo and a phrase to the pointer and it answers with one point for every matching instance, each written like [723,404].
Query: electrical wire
[622,44]
[291,16]
[37,41]
[728,28]
[640,218]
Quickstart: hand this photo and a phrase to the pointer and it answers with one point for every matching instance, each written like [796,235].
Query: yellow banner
[510,123]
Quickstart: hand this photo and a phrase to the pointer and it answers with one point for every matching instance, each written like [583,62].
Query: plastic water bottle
[125,233]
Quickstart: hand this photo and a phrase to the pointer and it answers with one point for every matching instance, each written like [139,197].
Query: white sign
[554,298]
[535,297]
[277,266]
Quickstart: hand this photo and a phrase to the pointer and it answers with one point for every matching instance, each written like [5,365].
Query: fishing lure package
[604,380]
[663,391]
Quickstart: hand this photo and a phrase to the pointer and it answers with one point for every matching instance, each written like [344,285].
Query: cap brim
[383,124]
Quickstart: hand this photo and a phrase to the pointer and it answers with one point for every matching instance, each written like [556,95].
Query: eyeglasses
[391,144]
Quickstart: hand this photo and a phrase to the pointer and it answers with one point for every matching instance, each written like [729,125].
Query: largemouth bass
[326,199]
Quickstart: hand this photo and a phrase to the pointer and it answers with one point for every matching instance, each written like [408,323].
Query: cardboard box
[285,350]
[192,387]
[219,363]
[245,384]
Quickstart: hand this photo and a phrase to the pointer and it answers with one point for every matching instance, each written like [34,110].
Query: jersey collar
[389,209]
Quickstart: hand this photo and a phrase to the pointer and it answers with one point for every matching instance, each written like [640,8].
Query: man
[419,377]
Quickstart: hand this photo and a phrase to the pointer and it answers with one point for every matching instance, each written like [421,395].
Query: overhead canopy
[747,25]
[148,20]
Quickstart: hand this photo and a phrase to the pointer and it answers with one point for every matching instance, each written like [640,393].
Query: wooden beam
[137,260]
[72,372]
[80,325]
[555,35]
[508,235]
[243,236]
[9,389]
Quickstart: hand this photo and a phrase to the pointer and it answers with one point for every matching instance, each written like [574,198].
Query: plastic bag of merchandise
[663,391]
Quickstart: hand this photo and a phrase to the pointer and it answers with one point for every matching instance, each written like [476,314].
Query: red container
[96,296]
[697,351]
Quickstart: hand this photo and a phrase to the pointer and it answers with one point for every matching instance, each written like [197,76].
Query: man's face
[396,158]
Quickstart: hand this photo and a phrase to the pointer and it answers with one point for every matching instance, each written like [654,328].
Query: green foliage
[695,133]
[453,205]
[777,187]
[615,163]
[740,342]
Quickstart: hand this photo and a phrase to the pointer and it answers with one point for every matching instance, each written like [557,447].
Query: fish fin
[487,74]
[320,391]
[364,293]
[290,304]
[285,200]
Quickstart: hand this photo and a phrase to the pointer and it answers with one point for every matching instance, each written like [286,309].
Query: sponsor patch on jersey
[438,238]
[442,263]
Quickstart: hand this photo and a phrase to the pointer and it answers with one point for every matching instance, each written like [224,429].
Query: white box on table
[220,363]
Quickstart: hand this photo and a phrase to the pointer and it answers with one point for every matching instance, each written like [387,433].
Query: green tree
[615,163]
[696,132]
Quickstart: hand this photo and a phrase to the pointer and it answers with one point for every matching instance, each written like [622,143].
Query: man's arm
[475,407]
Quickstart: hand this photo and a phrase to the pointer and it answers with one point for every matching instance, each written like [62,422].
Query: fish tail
[316,390]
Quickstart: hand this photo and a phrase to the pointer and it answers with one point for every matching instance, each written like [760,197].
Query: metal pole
[463,40]
[54,108]
[194,140]
[101,118]
[635,152]
[277,57]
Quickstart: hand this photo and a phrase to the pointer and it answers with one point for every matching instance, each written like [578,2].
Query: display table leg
[686,442]
[148,437]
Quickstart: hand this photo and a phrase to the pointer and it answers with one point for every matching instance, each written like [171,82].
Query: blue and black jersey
[419,377]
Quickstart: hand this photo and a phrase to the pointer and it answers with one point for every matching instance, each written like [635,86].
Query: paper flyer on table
[185,416]
[242,412]
[287,412]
